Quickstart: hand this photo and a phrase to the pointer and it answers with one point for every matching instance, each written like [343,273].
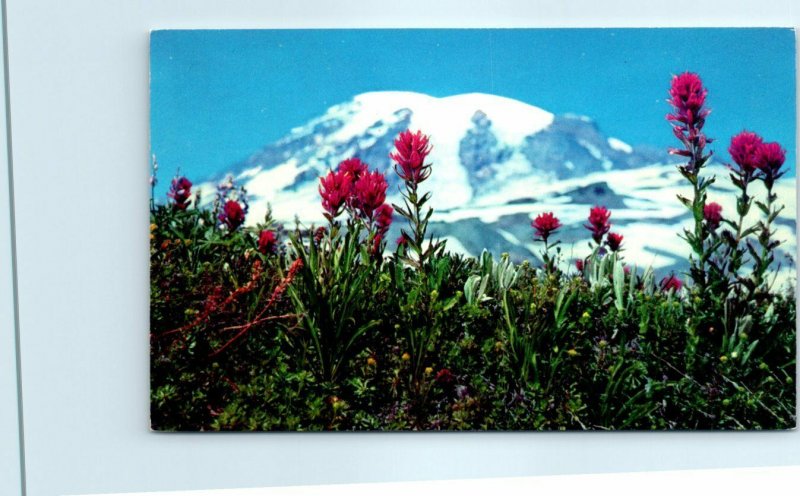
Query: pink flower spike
[770,160]
[688,96]
[410,155]
[370,193]
[335,190]
[545,224]
[745,150]
[598,223]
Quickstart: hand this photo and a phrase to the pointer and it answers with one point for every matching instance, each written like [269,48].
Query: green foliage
[352,341]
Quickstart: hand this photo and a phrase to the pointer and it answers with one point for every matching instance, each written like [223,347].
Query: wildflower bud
[571,352]
[371,362]
[428,370]
[712,213]
[405,357]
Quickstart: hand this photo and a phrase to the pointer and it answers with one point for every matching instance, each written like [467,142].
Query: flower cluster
[756,159]
[181,192]
[362,192]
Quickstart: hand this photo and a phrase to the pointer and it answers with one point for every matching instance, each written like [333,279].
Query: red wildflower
[712,212]
[745,150]
[383,218]
[181,191]
[232,215]
[688,96]
[671,283]
[370,193]
[614,241]
[335,189]
[444,376]
[770,160]
[579,264]
[412,149]
[545,224]
[598,223]
[267,241]
[354,167]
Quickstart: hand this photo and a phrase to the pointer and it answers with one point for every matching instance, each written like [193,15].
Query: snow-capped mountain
[497,163]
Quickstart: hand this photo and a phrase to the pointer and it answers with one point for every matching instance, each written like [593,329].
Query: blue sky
[218,96]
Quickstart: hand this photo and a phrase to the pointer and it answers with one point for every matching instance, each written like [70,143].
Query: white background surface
[79,107]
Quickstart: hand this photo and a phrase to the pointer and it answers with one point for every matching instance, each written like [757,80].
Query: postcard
[473,229]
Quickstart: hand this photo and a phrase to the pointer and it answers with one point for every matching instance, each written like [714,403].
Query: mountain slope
[497,162]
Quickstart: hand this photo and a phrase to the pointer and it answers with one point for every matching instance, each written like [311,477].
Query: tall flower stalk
[687,97]
[745,150]
[546,224]
[411,150]
[770,160]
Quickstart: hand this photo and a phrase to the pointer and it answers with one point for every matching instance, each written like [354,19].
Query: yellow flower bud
[152,227]
[723,359]
[406,357]
[428,370]
[571,352]
[371,362]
